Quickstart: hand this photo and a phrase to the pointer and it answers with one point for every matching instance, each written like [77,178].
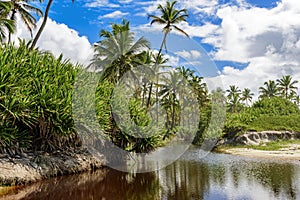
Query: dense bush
[123,120]
[35,99]
[275,113]
[275,106]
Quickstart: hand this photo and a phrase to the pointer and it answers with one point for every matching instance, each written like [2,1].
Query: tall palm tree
[42,27]
[270,89]
[185,72]
[117,53]
[247,96]
[296,100]
[24,9]
[286,86]
[200,88]
[233,91]
[170,16]
[234,103]
[5,24]
[159,71]
[170,94]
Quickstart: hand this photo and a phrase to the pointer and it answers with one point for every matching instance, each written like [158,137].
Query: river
[214,177]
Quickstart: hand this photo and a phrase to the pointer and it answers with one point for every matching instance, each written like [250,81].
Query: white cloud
[116,14]
[100,3]
[246,33]
[195,54]
[189,55]
[172,60]
[125,1]
[60,39]
[269,39]
[207,30]
[197,6]
[207,7]
[253,76]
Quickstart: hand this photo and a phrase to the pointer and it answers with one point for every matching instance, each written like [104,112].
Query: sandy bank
[292,152]
[33,167]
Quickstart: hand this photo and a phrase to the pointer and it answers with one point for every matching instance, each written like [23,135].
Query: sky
[239,42]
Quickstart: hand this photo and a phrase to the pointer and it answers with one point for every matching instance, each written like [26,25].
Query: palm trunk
[144,93]
[156,96]
[11,18]
[156,62]
[36,38]
[173,113]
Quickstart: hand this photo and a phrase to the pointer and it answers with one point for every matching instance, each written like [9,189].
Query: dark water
[216,177]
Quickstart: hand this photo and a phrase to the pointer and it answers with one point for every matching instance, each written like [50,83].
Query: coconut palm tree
[38,35]
[24,9]
[5,24]
[233,91]
[200,88]
[247,96]
[234,103]
[296,100]
[270,89]
[196,82]
[170,17]
[286,86]
[159,70]
[170,95]
[185,72]
[117,53]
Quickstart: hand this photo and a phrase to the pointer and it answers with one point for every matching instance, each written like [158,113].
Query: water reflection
[217,176]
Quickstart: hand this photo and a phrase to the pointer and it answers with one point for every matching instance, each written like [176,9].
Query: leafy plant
[35,99]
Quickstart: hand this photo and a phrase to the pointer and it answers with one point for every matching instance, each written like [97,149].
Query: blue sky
[88,17]
[249,41]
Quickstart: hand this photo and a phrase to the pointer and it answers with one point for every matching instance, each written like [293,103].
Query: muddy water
[215,177]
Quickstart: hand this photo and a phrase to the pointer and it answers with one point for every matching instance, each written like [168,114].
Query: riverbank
[33,167]
[288,152]
[265,144]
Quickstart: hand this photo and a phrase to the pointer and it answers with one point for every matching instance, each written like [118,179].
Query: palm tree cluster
[179,91]
[164,97]
[283,87]
[237,98]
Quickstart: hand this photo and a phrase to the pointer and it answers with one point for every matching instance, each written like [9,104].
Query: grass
[275,145]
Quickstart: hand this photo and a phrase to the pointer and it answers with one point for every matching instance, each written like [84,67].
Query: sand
[291,152]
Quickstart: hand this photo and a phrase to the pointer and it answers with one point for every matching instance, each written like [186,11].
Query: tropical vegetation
[276,109]
[141,102]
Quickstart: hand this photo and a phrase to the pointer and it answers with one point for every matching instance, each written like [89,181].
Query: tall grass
[35,100]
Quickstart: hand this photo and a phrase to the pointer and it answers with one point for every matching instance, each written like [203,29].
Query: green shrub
[35,99]
[275,106]
[285,122]
[274,113]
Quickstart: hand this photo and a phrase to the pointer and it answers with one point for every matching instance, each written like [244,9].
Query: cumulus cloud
[125,1]
[115,15]
[60,39]
[100,3]
[208,30]
[189,55]
[267,39]
[207,7]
